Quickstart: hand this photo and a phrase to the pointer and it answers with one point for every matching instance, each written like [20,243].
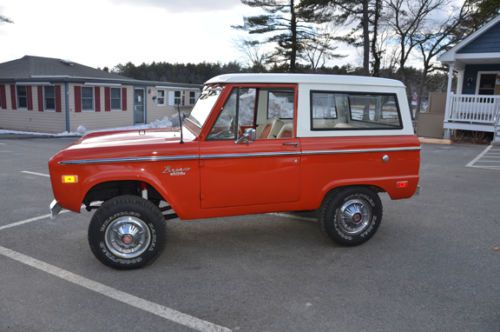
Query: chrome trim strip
[246,155]
[312,152]
[232,155]
[125,159]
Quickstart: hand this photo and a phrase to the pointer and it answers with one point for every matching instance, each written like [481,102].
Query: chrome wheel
[127,237]
[354,216]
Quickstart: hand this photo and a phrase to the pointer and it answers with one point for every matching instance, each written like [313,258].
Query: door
[261,172]
[139,109]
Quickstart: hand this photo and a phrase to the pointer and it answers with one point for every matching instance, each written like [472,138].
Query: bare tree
[436,38]
[407,18]
[252,50]
[5,19]
[319,50]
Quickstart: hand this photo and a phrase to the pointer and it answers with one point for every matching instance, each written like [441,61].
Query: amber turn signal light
[70,179]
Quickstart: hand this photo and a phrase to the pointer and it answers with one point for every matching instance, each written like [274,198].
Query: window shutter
[78,99]
[39,90]
[29,94]
[97,96]
[13,96]
[124,99]
[107,99]
[3,97]
[57,92]
[171,98]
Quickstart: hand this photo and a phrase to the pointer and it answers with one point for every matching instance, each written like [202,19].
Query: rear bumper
[55,209]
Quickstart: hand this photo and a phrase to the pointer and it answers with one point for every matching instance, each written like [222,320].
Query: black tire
[120,213]
[344,217]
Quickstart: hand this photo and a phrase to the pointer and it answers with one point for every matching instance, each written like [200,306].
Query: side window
[340,110]
[246,111]
[237,113]
[280,104]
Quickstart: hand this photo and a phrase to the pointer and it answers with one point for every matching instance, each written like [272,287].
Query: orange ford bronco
[254,143]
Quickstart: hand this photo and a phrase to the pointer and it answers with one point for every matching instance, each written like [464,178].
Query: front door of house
[139,111]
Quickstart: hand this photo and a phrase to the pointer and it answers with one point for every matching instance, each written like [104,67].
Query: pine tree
[285,24]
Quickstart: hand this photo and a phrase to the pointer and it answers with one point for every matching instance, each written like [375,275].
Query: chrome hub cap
[355,216]
[127,237]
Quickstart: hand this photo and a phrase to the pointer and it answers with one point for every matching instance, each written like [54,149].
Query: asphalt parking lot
[434,264]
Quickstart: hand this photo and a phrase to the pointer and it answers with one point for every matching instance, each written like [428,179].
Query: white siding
[102,119]
[49,122]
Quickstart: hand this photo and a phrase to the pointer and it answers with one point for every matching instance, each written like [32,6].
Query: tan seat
[270,129]
[286,131]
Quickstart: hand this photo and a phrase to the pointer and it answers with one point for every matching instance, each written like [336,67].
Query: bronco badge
[176,171]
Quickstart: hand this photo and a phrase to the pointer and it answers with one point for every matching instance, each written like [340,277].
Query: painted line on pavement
[479,156]
[292,216]
[115,294]
[36,173]
[27,221]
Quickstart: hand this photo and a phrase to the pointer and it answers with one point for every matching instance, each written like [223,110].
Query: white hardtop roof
[305,79]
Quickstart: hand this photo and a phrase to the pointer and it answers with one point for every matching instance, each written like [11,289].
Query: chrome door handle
[291,144]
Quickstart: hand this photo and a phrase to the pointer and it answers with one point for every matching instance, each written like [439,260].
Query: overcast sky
[102,33]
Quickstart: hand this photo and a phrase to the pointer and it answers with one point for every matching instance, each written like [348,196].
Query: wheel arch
[331,190]
[106,189]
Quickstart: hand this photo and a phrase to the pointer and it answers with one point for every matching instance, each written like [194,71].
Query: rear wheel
[351,216]
[127,232]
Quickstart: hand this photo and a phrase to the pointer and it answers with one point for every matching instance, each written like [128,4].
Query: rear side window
[352,110]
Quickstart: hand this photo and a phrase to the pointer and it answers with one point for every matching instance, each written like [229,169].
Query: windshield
[204,105]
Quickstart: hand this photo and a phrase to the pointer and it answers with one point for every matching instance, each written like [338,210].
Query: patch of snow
[81,130]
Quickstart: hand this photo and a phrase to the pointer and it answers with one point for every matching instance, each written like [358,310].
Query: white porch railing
[479,109]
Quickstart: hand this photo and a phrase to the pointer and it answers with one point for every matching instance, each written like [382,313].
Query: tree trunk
[293,29]
[425,71]
[376,54]
[366,39]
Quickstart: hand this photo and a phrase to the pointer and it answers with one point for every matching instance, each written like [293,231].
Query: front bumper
[55,209]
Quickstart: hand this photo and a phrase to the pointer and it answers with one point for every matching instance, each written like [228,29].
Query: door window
[237,113]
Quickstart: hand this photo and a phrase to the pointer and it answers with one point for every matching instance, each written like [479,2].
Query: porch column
[448,98]
[460,81]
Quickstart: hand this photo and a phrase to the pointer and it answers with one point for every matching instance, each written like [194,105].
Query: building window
[487,84]
[22,96]
[160,97]
[177,98]
[87,99]
[49,99]
[192,97]
[116,98]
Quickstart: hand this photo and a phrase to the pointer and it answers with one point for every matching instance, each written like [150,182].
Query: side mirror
[248,136]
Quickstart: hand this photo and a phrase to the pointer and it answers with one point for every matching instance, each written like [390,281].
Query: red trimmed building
[53,95]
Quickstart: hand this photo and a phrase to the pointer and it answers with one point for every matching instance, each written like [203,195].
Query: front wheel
[127,232]
[351,216]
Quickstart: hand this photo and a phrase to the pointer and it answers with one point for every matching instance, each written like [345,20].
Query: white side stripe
[115,294]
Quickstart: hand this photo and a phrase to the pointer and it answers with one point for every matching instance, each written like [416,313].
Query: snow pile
[81,130]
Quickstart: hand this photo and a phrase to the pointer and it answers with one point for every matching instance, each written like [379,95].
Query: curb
[427,140]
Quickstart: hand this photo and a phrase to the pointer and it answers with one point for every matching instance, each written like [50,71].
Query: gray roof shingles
[36,68]
[29,67]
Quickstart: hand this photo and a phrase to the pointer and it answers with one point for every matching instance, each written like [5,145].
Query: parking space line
[36,173]
[115,294]
[291,216]
[26,221]
[473,161]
